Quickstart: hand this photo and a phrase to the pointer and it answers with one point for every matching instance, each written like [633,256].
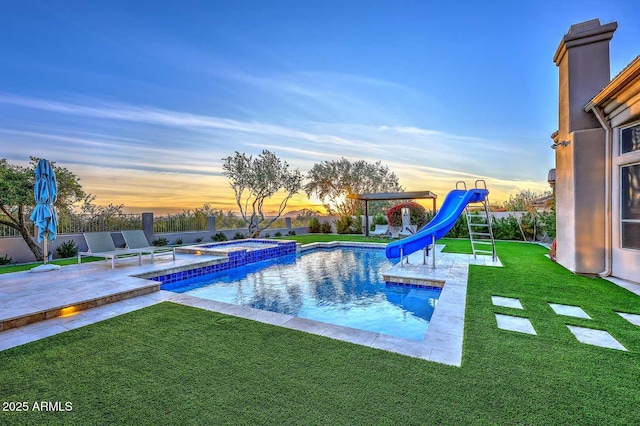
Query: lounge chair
[380,230]
[101,245]
[137,241]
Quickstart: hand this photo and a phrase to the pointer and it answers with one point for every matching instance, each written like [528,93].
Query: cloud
[150,115]
[174,157]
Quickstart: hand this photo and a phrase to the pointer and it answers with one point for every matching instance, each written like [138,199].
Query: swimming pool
[342,286]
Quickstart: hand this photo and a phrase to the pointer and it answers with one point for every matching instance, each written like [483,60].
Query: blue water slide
[454,203]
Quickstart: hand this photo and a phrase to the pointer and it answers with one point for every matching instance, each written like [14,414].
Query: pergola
[387,196]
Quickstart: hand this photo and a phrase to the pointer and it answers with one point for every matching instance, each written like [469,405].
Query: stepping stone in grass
[632,318]
[506,302]
[595,337]
[568,310]
[521,325]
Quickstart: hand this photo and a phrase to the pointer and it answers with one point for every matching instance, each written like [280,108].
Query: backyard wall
[17,249]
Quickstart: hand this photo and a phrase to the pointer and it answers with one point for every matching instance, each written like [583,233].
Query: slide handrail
[484,184]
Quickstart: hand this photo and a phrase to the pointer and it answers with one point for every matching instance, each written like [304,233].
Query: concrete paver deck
[595,337]
[506,302]
[570,311]
[508,322]
[632,318]
[27,297]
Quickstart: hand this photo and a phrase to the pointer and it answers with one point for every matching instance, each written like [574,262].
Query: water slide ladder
[479,221]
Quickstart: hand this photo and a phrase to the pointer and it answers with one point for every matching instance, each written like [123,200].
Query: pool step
[413,281]
[10,319]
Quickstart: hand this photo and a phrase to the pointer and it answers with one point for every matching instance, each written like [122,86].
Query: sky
[143,99]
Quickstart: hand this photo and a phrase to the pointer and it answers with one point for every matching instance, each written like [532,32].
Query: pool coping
[215,248]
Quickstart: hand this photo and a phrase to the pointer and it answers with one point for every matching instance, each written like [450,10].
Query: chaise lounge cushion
[100,244]
[137,241]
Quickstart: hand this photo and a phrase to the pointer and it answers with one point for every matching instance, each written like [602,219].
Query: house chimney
[580,147]
[583,59]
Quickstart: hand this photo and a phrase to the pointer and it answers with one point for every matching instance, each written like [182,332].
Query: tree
[331,181]
[255,180]
[306,214]
[417,214]
[16,197]
[525,200]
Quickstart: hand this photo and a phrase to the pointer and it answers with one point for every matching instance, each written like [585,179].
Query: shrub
[179,240]
[292,232]
[199,240]
[357,228]
[219,237]
[162,241]
[537,224]
[314,225]
[428,216]
[6,260]
[325,227]
[527,225]
[417,214]
[349,225]
[506,228]
[67,249]
[267,235]
[239,236]
[548,223]
[278,234]
[460,229]
[343,225]
[378,219]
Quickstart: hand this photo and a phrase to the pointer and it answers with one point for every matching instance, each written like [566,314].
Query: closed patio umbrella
[44,214]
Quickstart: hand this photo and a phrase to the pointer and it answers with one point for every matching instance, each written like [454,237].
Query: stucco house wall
[580,191]
[582,58]
[593,110]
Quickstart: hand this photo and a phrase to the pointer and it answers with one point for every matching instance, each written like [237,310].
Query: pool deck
[37,305]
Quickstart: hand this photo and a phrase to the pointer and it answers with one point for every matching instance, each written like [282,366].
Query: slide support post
[433,251]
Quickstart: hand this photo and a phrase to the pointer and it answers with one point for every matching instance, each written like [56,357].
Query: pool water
[342,286]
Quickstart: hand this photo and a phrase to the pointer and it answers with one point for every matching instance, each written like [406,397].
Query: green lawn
[170,364]
[5,269]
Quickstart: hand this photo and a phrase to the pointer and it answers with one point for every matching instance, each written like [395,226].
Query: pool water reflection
[342,286]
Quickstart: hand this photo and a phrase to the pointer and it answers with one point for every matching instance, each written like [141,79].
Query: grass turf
[5,269]
[169,364]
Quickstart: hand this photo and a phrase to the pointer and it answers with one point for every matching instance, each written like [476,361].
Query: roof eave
[627,75]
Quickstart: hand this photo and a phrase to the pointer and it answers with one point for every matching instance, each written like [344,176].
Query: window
[630,139]
[630,206]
